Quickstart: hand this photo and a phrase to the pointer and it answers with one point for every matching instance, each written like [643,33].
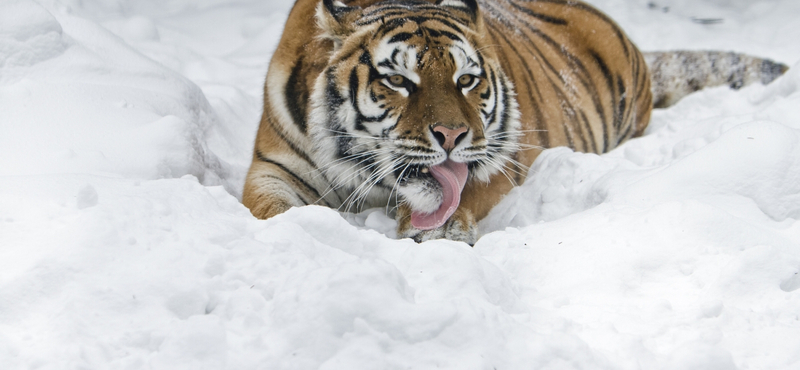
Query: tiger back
[437,109]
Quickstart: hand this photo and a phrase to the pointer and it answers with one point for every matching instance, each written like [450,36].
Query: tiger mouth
[413,172]
[417,174]
[434,192]
[420,171]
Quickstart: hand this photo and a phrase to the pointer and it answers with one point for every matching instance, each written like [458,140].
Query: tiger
[436,109]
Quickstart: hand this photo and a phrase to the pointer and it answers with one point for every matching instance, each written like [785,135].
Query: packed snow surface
[126,128]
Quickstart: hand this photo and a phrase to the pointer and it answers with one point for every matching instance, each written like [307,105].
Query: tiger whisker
[394,186]
[502,168]
[338,182]
[378,176]
[348,158]
[360,192]
[375,178]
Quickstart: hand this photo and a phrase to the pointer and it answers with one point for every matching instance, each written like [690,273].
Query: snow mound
[78,100]
[28,35]
[126,128]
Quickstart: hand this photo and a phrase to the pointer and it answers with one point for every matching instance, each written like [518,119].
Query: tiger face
[411,106]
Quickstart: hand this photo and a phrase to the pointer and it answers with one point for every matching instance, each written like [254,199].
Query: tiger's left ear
[470,7]
[336,19]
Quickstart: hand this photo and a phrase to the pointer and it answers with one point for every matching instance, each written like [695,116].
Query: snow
[126,129]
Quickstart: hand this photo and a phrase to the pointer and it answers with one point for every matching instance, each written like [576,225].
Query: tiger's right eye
[466,81]
[397,81]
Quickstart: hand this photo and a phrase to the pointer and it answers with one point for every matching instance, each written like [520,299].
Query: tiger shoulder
[435,110]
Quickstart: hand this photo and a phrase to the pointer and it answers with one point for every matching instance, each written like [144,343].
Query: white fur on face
[466,64]
[403,58]
[422,194]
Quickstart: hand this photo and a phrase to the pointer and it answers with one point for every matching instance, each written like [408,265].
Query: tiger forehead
[391,15]
[423,43]
[418,55]
[431,32]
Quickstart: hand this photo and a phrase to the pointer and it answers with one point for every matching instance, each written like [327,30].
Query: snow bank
[748,148]
[134,117]
[125,132]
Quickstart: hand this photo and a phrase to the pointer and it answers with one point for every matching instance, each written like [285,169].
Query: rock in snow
[126,129]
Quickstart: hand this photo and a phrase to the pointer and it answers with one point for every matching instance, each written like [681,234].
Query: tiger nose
[447,137]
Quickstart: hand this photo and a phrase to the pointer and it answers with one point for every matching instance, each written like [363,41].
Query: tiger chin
[437,109]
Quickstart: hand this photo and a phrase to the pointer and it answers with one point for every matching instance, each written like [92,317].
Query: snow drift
[125,132]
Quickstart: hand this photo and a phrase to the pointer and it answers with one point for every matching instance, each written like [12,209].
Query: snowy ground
[126,129]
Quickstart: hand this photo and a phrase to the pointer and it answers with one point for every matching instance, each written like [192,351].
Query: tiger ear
[467,6]
[336,19]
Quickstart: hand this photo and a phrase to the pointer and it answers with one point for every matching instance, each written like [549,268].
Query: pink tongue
[452,176]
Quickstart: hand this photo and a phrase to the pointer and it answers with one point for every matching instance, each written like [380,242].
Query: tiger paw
[461,226]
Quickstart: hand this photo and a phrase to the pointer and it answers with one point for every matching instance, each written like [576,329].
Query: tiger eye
[465,80]
[397,80]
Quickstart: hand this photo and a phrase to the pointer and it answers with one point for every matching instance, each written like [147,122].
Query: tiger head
[412,103]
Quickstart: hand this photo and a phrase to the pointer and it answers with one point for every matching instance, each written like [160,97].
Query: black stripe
[388,26]
[354,98]
[416,148]
[487,94]
[493,113]
[354,87]
[344,143]
[624,134]
[365,58]
[588,128]
[452,26]
[291,144]
[506,113]
[541,17]
[610,86]
[283,168]
[643,95]
[621,105]
[297,94]
[449,35]
[400,37]
[334,99]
